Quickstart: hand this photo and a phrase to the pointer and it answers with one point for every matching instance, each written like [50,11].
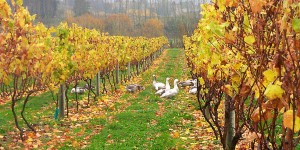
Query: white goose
[161,91]
[157,85]
[189,82]
[171,92]
[79,90]
[195,82]
[86,86]
[193,90]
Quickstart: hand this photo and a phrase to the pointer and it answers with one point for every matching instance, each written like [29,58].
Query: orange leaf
[245,90]
[232,3]
[271,104]
[257,5]
[288,121]
[255,115]
[267,114]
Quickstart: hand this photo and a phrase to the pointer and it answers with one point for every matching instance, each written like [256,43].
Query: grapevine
[246,55]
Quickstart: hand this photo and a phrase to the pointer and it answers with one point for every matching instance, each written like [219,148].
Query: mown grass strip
[140,126]
[34,111]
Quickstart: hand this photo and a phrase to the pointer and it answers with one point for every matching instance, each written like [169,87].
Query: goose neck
[167,84]
[154,79]
[175,85]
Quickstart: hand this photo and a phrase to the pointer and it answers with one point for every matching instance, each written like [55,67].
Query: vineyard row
[245,55]
[36,58]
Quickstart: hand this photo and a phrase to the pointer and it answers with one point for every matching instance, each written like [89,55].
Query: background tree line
[149,18]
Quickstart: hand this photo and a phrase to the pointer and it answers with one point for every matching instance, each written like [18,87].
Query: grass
[32,111]
[139,126]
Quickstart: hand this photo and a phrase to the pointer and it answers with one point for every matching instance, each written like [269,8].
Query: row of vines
[36,58]
[246,54]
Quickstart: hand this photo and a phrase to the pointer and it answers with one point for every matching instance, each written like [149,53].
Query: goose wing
[169,93]
[160,92]
[131,87]
[159,86]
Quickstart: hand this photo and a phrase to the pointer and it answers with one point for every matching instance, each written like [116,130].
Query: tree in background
[172,31]
[87,20]
[152,28]
[178,17]
[81,7]
[119,24]
[45,9]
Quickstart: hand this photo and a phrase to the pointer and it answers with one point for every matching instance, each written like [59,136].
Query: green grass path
[147,122]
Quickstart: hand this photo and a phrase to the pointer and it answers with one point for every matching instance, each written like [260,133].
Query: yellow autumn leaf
[273,92]
[235,78]
[176,134]
[228,89]
[288,121]
[210,72]
[20,2]
[201,81]
[269,76]
[187,131]
[215,59]
[62,77]
[256,91]
[249,39]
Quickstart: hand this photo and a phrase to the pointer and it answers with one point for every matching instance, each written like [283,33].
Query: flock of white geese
[164,89]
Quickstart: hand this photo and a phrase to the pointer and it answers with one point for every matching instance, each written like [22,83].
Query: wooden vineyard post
[117,73]
[128,71]
[144,64]
[62,99]
[144,59]
[137,68]
[98,82]
[229,124]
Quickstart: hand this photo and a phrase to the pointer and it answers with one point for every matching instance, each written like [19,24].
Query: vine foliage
[246,55]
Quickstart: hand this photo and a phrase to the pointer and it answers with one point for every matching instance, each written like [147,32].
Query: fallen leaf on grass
[175,134]
[184,138]
[98,127]
[57,131]
[209,130]
[75,144]
[154,122]
[187,131]
[110,141]
[198,123]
